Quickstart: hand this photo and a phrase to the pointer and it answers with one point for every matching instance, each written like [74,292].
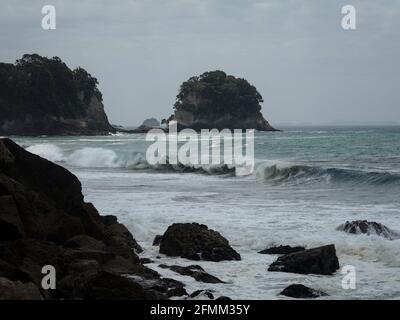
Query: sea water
[306,182]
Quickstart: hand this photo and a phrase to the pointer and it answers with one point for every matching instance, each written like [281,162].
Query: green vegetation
[217,94]
[37,86]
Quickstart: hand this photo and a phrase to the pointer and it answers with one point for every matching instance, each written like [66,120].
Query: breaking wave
[280,173]
[304,174]
[106,158]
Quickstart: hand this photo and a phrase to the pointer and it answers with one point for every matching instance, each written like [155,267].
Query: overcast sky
[307,68]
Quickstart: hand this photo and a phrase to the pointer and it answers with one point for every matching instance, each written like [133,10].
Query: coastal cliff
[217,100]
[42,96]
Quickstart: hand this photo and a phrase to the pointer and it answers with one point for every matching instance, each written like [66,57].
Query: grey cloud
[307,68]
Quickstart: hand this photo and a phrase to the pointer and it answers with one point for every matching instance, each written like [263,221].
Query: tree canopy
[38,86]
[216,93]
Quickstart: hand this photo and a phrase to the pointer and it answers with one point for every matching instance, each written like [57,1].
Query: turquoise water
[306,182]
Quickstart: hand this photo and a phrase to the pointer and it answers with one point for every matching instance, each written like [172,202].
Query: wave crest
[303,173]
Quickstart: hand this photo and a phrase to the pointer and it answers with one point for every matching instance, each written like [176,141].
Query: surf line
[189,148]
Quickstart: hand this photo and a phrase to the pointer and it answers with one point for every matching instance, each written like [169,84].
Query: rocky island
[42,96]
[217,100]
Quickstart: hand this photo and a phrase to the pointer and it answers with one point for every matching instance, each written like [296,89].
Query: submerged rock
[193,271]
[196,242]
[321,260]
[300,291]
[369,228]
[282,250]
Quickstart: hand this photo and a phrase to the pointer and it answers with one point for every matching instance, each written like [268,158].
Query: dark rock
[369,228]
[120,236]
[299,291]
[44,221]
[83,241]
[206,293]
[157,240]
[282,250]
[16,290]
[321,260]
[145,261]
[196,242]
[109,286]
[193,271]
[167,286]
[11,227]
[177,292]
[223,298]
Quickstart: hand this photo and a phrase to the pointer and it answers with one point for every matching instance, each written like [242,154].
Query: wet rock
[178,291]
[196,242]
[109,286]
[282,250]
[120,236]
[167,286]
[321,260]
[300,291]
[202,293]
[193,271]
[44,221]
[157,240]
[145,261]
[223,298]
[84,241]
[369,228]
[11,227]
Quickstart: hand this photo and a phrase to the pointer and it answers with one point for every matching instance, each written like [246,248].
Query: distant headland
[42,96]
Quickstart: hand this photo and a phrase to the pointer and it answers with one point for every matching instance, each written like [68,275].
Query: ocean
[306,182]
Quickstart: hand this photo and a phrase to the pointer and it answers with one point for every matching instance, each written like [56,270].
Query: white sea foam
[93,158]
[253,213]
[48,151]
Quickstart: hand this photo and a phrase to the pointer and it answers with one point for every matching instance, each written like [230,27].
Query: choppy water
[306,182]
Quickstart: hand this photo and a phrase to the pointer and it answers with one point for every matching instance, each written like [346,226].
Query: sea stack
[217,100]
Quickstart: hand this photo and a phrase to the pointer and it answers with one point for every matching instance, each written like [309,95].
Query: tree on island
[215,99]
[219,94]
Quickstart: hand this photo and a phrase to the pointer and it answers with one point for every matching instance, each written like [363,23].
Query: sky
[308,69]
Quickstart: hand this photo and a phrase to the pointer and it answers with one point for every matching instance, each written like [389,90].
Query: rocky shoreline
[44,221]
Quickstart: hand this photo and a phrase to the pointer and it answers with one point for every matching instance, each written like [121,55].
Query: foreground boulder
[45,221]
[282,250]
[16,290]
[321,260]
[300,291]
[368,228]
[193,271]
[196,242]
